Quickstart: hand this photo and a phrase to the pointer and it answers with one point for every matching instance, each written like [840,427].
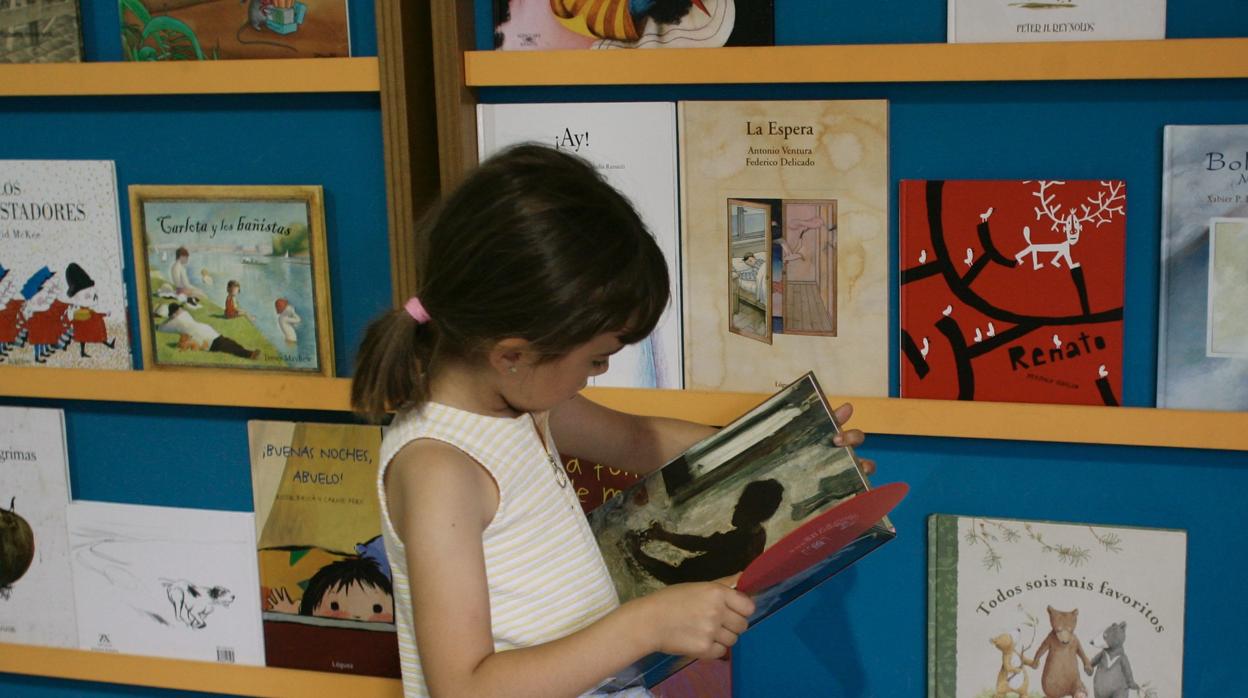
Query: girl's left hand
[851,437]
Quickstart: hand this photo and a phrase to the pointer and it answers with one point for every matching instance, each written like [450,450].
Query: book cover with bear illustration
[1012,290]
[36,594]
[325,581]
[1043,609]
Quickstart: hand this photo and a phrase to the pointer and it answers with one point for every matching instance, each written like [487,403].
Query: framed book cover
[233,277]
[785,243]
[972,21]
[731,499]
[46,31]
[1012,290]
[633,145]
[1202,347]
[36,594]
[188,30]
[325,580]
[527,25]
[62,273]
[166,582]
[1038,608]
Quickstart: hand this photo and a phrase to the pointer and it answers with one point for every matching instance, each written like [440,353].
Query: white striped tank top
[546,576]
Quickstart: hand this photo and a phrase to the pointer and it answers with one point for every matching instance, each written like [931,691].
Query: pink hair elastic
[416,309]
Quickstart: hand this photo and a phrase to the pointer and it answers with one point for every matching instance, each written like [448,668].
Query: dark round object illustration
[17,546]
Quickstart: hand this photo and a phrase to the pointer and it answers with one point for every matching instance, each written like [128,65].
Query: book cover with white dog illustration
[62,278]
[1039,609]
[36,594]
[166,582]
[1012,290]
[785,244]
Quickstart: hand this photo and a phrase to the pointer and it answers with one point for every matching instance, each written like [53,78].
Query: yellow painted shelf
[230,679]
[1129,426]
[1083,60]
[191,77]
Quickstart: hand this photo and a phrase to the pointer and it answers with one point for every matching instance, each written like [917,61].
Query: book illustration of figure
[158,30]
[12,323]
[17,548]
[350,588]
[288,321]
[45,314]
[566,24]
[719,554]
[1060,676]
[180,276]
[232,309]
[1012,677]
[1112,676]
[193,602]
[194,335]
[86,324]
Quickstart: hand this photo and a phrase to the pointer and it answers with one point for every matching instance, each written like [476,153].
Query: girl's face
[540,386]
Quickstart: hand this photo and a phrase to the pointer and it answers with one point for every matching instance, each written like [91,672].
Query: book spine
[942,607]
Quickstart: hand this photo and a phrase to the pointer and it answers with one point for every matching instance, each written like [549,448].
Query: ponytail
[391,368]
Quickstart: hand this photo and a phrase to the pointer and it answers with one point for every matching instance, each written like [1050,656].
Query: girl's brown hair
[534,244]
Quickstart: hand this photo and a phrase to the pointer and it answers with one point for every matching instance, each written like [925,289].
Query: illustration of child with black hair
[86,324]
[352,588]
[718,554]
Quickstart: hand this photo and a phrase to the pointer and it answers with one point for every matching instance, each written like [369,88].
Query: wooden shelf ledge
[1126,426]
[230,679]
[1079,60]
[191,77]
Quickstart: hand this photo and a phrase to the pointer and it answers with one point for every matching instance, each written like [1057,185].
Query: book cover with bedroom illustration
[1012,290]
[769,496]
[325,581]
[785,244]
[1038,608]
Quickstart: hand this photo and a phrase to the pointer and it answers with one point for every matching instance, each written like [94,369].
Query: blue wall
[864,633]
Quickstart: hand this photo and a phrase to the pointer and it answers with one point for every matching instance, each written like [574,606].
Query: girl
[538,271]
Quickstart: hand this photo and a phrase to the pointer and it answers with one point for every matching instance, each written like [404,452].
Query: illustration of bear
[1009,670]
[1060,677]
[1113,677]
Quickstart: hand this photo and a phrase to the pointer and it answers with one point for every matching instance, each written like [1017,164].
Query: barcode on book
[225,654]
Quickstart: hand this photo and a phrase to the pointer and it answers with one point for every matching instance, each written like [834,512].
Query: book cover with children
[324,577]
[36,594]
[1040,609]
[62,275]
[166,582]
[189,30]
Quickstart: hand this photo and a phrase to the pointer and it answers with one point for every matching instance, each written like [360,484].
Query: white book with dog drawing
[1056,609]
[166,582]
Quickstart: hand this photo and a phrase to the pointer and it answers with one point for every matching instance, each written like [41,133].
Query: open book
[770,496]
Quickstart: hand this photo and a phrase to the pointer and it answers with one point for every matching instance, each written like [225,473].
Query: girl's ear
[509,355]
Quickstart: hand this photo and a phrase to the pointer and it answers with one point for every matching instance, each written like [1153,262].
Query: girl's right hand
[700,619]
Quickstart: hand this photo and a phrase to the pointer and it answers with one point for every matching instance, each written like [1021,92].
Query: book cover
[188,30]
[731,499]
[324,577]
[1012,290]
[166,582]
[633,145]
[785,244]
[972,21]
[49,31]
[1202,346]
[62,277]
[36,594]
[527,25]
[1038,608]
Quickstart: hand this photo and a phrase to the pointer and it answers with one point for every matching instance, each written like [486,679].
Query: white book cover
[36,594]
[62,276]
[982,21]
[1202,346]
[166,582]
[633,145]
[1039,608]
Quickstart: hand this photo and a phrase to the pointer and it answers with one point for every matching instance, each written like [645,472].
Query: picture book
[36,594]
[325,580]
[62,277]
[166,582]
[633,145]
[785,244]
[1202,346]
[40,31]
[768,496]
[1038,608]
[188,30]
[1012,290]
[233,277]
[1055,20]
[526,25]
